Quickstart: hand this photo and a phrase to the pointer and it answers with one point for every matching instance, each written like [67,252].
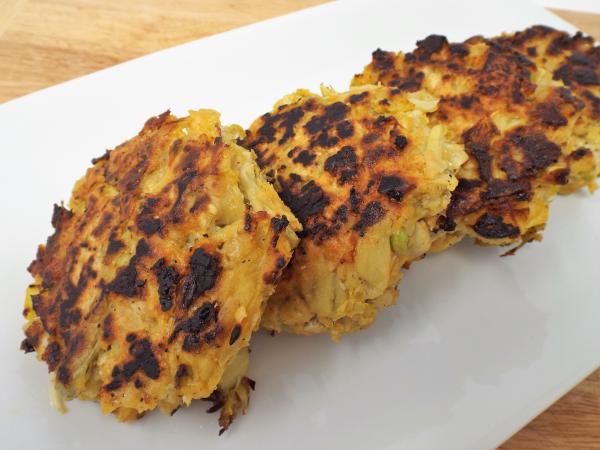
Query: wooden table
[46,42]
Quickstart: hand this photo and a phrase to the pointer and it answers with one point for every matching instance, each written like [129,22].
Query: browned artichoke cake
[575,61]
[368,175]
[157,274]
[530,127]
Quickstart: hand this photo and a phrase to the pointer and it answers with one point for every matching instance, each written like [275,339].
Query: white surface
[477,345]
[590,6]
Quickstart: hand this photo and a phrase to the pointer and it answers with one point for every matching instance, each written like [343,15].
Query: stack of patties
[159,271]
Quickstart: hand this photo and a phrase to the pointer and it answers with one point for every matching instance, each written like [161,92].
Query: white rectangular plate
[477,345]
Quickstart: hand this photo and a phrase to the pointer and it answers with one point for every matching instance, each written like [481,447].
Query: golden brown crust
[313,145]
[575,61]
[354,170]
[151,283]
[515,121]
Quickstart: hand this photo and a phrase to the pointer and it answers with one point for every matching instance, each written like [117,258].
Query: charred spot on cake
[60,216]
[336,111]
[285,120]
[288,121]
[68,312]
[181,184]
[126,282]
[383,60]
[27,346]
[550,114]
[538,151]
[309,201]
[498,189]
[204,270]
[355,200]
[182,371]
[155,122]
[295,178]
[200,321]
[343,164]
[356,98]
[104,157]
[167,278]
[477,140]
[38,303]
[143,360]
[113,385]
[584,59]
[409,83]
[430,45]
[266,131]
[324,140]
[372,156]
[63,375]
[114,245]
[369,138]
[595,103]
[446,224]
[316,124]
[558,44]
[400,142]
[131,180]
[580,153]
[305,158]
[571,73]
[247,222]
[394,187]
[492,226]
[460,50]
[372,214]
[278,224]
[466,101]
[273,275]
[107,327]
[560,176]
[235,333]
[341,214]
[532,51]
[465,199]
[149,225]
[52,355]
[319,125]
[345,129]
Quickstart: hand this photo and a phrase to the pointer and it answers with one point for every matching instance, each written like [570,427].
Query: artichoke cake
[368,176]
[157,273]
[575,61]
[516,122]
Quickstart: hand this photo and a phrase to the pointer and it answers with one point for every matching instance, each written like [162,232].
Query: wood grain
[572,423]
[45,42]
[50,41]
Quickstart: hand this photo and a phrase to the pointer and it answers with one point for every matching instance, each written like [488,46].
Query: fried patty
[157,274]
[367,175]
[516,122]
[575,61]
